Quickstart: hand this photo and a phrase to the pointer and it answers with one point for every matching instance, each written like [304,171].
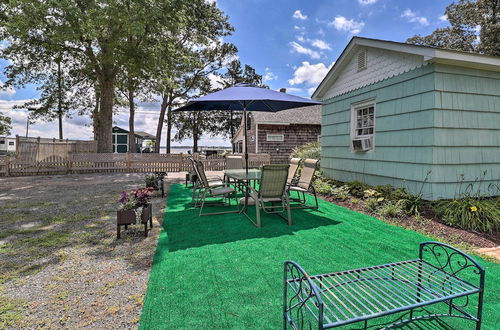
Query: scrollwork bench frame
[359,295]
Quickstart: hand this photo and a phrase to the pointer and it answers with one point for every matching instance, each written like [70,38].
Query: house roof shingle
[305,115]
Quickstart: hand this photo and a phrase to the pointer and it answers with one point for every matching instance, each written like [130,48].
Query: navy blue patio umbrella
[247,97]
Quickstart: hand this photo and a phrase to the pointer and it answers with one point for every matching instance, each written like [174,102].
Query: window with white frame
[363,126]
[275,137]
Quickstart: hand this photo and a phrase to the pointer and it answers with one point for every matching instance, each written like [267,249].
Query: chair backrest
[200,172]
[273,180]
[292,171]
[234,162]
[307,174]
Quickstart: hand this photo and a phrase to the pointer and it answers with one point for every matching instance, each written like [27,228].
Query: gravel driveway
[60,262]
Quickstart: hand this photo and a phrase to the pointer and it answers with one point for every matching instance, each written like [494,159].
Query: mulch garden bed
[429,224]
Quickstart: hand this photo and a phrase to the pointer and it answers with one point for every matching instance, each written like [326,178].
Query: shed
[120,140]
[417,117]
[278,133]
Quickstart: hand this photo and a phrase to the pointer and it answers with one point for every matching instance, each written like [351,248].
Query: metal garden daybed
[358,295]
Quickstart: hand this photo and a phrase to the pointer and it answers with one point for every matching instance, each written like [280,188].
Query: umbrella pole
[246,138]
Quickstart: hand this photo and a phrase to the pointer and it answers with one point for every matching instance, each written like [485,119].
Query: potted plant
[135,208]
[151,181]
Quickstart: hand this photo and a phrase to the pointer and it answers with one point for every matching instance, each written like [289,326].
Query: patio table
[245,177]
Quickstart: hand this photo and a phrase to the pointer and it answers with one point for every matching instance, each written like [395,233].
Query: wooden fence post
[7,165]
[69,164]
[128,162]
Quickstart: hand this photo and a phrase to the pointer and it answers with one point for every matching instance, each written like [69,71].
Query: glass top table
[241,174]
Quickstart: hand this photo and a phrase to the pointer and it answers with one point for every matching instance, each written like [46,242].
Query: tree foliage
[100,38]
[474,26]
[5,125]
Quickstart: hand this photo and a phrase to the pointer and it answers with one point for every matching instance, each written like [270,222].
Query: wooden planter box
[127,217]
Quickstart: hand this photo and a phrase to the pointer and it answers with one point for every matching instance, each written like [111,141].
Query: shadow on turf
[185,229]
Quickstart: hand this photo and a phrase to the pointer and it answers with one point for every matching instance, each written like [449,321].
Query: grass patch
[11,311]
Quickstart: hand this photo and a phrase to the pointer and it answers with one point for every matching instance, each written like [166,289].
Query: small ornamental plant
[151,181]
[135,200]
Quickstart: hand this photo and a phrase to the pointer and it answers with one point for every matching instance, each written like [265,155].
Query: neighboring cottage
[394,111]
[278,133]
[7,144]
[120,140]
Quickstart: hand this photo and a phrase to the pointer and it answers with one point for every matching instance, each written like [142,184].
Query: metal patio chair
[272,190]
[209,189]
[292,171]
[305,184]
[233,162]
[213,181]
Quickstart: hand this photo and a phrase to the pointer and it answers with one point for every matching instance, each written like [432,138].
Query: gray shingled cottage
[278,133]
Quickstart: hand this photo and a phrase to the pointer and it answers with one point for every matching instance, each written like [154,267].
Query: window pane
[365,111]
[360,112]
[358,125]
[370,131]
[360,132]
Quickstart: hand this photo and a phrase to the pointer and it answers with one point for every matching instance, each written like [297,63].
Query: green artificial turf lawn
[220,272]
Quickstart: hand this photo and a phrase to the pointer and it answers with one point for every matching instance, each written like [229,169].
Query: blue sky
[291,43]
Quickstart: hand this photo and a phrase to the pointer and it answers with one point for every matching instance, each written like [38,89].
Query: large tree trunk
[59,100]
[95,111]
[105,115]
[131,135]
[169,124]
[159,128]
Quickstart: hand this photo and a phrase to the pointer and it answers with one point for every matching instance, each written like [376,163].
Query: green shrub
[357,188]
[340,193]
[470,213]
[390,193]
[392,209]
[322,187]
[310,150]
[372,203]
[414,204]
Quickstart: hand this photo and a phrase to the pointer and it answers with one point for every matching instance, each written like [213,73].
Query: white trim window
[275,137]
[363,126]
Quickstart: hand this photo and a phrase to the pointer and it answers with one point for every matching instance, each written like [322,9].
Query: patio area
[221,272]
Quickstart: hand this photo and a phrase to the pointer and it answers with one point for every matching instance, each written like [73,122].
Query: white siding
[381,64]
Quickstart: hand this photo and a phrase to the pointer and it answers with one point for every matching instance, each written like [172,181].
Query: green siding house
[417,117]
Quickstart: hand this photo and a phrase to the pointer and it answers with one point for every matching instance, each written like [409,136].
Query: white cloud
[343,24]
[293,90]
[299,28]
[414,18]
[310,74]
[298,15]
[367,2]
[215,81]
[311,90]
[443,18]
[301,38]
[269,75]
[321,44]
[6,91]
[303,50]
[321,32]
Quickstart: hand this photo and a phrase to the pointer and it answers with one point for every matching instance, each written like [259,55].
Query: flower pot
[125,217]
[128,217]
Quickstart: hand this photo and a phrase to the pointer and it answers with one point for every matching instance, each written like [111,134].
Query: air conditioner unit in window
[362,144]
